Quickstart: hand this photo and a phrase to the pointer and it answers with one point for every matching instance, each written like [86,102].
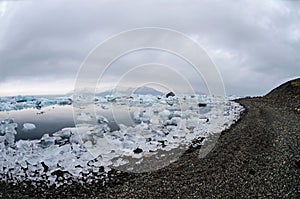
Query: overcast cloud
[255,44]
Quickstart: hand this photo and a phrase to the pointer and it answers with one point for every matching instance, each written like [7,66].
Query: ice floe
[28,126]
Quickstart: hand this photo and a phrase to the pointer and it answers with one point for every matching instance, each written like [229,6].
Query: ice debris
[21,102]
[88,152]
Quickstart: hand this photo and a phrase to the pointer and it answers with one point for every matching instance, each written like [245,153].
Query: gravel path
[258,157]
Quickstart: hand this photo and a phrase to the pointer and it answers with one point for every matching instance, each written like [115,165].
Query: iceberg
[28,126]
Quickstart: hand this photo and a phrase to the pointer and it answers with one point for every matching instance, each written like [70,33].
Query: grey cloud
[255,44]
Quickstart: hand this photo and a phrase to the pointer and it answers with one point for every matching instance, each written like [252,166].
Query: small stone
[252,172]
[202,105]
[297,163]
[170,94]
[138,150]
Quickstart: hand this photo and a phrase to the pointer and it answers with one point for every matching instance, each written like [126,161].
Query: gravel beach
[258,157]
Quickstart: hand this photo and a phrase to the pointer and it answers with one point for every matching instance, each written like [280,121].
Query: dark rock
[112,100]
[196,144]
[170,94]
[46,168]
[202,105]
[62,141]
[138,150]
[38,105]
[251,171]
[170,103]
[163,143]
[68,102]
[22,100]
[297,163]
[45,143]
[60,174]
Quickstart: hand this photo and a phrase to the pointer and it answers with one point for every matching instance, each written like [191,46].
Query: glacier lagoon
[150,129]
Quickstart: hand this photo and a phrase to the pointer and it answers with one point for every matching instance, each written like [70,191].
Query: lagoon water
[51,119]
[47,120]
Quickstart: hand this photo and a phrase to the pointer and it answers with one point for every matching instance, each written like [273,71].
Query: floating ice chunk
[145,116]
[47,141]
[164,115]
[102,120]
[8,129]
[104,107]
[28,126]
[84,117]
[64,101]
[24,146]
[192,123]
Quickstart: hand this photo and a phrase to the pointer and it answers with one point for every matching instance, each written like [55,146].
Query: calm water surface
[51,119]
[47,120]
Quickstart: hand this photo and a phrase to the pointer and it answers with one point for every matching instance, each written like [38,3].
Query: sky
[254,44]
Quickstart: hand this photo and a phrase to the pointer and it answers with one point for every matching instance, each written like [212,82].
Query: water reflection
[47,120]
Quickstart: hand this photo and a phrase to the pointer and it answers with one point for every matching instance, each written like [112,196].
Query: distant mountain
[139,91]
[147,90]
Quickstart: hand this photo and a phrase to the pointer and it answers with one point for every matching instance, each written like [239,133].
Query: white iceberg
[28,126]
